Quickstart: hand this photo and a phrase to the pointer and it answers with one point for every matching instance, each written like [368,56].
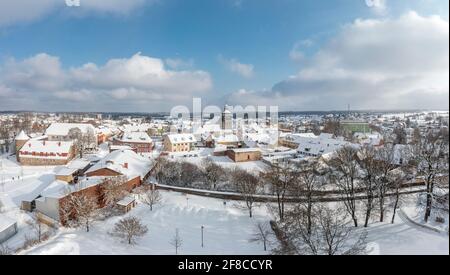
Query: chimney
[125,165]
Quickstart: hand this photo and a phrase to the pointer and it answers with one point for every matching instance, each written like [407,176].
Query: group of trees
[83,141]
[431,159]
[208,175]
[11,126]
[369,181]
[367,172]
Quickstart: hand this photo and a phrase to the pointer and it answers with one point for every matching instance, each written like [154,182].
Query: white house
[61,131]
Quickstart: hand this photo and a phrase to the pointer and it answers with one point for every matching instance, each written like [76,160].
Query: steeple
[227,118]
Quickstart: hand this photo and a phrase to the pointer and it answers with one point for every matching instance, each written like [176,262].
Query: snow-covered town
[224,135]
[72,183]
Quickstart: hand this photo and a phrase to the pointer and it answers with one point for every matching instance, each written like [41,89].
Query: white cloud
[25,11]
[178,63]
[378,6]
[297,54]
[129,81]
[372,64]
[233,65]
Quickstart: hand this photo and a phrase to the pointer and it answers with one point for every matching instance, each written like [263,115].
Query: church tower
[227,118]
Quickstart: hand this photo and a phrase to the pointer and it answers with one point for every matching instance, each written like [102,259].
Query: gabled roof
[5,222]
[181,138]
[62,129]
[137,137]
[119,160]
[39,146]
[59,189]
[22,136]
[226,138]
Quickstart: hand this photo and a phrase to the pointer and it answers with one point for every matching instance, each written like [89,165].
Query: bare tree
[112,190]
[280,177]
[385,165]
[83,141]
[247,185]
[213,173]
[397,178]
[331,233]
[431,155]
[76,135]
[129,229]
[306,186]
[5,250]
[79,207]
[368,183]
[345,174]
[399,135]
[176,241]
[37,226]
[150,197]
[262,233]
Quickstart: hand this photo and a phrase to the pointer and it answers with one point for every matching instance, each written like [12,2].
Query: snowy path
[403,238]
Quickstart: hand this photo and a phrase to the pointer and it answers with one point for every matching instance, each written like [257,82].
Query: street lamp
[202,234]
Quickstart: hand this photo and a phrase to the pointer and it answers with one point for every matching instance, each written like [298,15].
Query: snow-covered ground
[227,230]
[18,183]
[403,238]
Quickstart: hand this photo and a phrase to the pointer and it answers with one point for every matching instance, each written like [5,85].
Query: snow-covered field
[227,230]
[403,238]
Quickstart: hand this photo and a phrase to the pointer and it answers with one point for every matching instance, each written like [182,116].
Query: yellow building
[179,142]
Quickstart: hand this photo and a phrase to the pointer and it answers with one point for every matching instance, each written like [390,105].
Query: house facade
[179,142]
[140,142]
[244,154]
[44,152]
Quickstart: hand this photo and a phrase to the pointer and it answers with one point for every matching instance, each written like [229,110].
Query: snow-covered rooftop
[125,162]
[5,222]
[226,138]
[22,136]
[136,137]
[62,129]
[59,189]
[182,138]
[46,149]
[126,201]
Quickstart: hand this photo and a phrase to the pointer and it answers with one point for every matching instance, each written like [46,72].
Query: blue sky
[227,49]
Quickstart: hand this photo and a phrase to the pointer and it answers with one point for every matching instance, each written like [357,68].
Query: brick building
[44,152]
[139,141]
[244,154]
[133,168]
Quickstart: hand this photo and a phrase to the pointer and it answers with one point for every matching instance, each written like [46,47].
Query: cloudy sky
[150,55]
